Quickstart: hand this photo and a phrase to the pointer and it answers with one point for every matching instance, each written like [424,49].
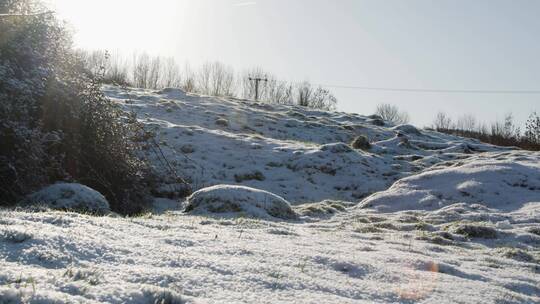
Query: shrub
[476,231]
[316,98]
[532,131]
[324,208]
[392,114]
[361,142]
[56,124]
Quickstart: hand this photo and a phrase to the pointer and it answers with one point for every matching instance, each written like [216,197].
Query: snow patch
[225,199]
[73,197]
[506,184]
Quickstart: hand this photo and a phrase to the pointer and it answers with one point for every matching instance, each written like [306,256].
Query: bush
[532,131]
[361,142]
[56,124]
[476,231]
[392,114]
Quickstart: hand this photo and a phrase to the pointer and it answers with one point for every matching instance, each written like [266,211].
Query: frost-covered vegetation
[55,123]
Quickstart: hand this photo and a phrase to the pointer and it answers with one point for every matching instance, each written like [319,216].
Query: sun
[125,25]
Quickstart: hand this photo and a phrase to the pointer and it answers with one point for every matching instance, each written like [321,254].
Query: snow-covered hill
[419,217]
[300,154]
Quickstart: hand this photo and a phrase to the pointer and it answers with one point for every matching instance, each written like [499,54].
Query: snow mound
[73,197]
[506,181]
[239,199]
[152,294]
[173,93]
[337,148]
[407,129]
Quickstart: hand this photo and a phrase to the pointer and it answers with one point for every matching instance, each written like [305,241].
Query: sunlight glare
[123,24]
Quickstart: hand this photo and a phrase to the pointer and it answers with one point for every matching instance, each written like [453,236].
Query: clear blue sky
[424,44]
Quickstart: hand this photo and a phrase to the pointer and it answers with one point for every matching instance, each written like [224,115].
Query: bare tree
[322,99]
[117,69]
[204,77]
[314,97]
[392,114]
[95,61]
[141,70]
[222,79]
[304,92]
[189,79]
[280,92]
[216,79]
[109,67]
[154,74]
[467,123]
[442,122]
[505,128]
[171,74]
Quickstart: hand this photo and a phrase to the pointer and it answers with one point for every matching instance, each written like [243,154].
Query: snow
[506,181]
[239,199]
[73,258]
[300,154]
[69,196]
[419,217]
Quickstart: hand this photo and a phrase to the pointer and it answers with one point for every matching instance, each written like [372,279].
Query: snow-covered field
[419,217]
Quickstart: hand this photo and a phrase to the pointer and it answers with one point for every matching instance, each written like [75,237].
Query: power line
[432,90]
[407,90]
[27,15]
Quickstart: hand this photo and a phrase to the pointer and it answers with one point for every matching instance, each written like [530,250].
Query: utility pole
[257,81]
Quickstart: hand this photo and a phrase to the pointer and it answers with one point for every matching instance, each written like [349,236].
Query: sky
[409,44]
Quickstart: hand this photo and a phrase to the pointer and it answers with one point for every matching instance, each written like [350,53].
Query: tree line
[217,79]
[212,78]
[503,132]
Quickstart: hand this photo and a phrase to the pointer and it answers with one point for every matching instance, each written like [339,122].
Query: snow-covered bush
[361,142]
[324,208]
[157,295]
[239,199]
[56,124]
[74,197]
[475,230]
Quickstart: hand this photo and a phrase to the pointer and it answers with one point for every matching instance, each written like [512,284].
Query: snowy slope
[505,181]
[421,217]
[299,154]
